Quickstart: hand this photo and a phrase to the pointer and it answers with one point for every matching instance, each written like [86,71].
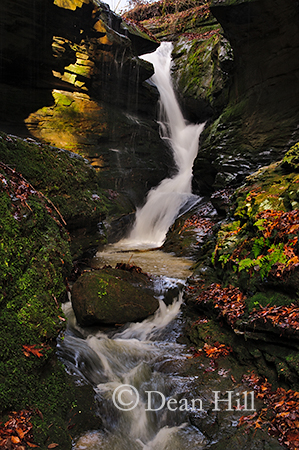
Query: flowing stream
[125,366]
[132,392]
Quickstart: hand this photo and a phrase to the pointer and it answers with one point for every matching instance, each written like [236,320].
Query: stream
[145,395]
[140,406]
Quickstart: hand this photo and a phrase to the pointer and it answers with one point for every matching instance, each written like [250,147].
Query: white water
[129,357]
[164,202]
[134,355]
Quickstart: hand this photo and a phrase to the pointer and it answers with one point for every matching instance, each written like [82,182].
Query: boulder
[102,298]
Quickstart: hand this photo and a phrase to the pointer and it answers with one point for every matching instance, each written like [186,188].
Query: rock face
[261,118]
[236,66]
[202,57]
[102,298]
[70,70]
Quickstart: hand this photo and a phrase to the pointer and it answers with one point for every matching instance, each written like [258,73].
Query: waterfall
[173,195]
[123,365]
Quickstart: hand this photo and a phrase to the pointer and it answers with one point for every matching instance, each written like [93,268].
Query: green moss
[293,361]
[291,158]
[233,111]
[267,299]
[197,66]
[102,286]
[66,179]
[34,261]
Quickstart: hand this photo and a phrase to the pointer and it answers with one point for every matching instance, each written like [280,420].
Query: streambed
[149,365]
[153,392]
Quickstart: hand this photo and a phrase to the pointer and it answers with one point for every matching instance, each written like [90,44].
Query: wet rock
[63,67]
[252,440]
[101,298]
[201,72]
[256,126]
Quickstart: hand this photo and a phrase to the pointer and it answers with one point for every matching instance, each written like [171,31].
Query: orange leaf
[53,445]
[15,439]
[32,349]
[31,444]
[20,433]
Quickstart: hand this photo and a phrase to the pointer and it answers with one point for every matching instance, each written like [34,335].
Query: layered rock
[70,70]
[202,57]
[260,120]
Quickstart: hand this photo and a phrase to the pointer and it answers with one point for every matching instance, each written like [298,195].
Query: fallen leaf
[31,349]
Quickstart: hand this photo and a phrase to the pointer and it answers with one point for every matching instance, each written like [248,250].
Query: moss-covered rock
[251,279]
[64,178]
[101,298]
[201,65]
[260,245]
[34,261]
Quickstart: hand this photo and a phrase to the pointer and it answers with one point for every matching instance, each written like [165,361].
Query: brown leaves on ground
[279,224]
[231,304]
[283,407]
[280,316]
[229,301]
[200,223]
[217,350]
[166,11]
[213,351]
[16,433]
[201,36]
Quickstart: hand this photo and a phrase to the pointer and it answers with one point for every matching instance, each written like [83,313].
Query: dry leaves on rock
[283,406]
[279,316]
[33,350]
[213,351]
[19,190]
[16,433]
[229,301]
[200,223]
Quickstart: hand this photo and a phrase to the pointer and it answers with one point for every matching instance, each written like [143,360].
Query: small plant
[102,288]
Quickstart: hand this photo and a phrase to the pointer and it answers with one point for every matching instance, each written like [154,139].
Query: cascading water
[124,366]
[172,195]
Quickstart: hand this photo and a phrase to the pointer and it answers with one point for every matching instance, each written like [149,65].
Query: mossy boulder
[101,298]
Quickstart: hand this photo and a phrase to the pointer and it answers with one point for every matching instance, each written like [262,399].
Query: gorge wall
[260,121]
[235,65]
[70,76]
